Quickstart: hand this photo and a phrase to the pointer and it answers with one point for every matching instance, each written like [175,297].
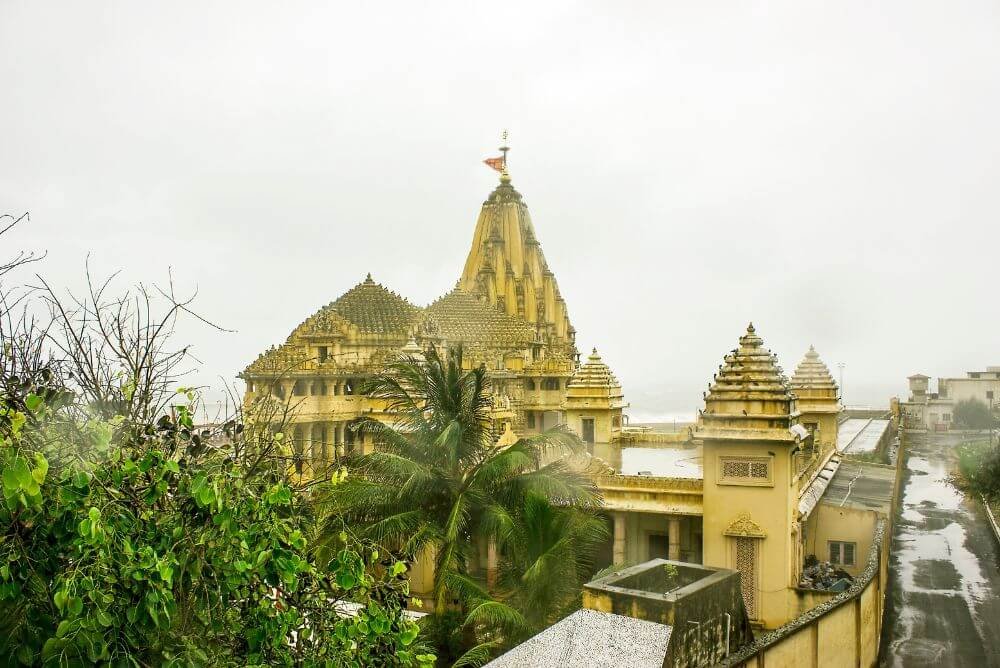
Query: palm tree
[437,478]
[546,559]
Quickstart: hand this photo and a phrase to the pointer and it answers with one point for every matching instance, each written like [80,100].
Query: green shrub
[160,547]
[979,469]
[972,414]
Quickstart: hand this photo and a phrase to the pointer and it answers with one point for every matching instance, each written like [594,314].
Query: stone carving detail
[428,328]
[744,527]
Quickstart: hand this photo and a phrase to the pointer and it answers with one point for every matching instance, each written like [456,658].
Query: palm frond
[555,482]
[396,531]
[558,441]
[465,588]
[498,523]
[476,656]
[498,617]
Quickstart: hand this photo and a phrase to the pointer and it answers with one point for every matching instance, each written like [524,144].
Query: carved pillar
[618,553]
[674,539]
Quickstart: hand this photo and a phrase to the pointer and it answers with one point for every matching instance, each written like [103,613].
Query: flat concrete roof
[861,485]
[663,462]
[591,639]
[868,438]
[848,430]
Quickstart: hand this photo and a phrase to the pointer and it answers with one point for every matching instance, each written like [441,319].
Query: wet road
[944,607]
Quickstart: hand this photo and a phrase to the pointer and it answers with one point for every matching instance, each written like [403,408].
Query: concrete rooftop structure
[592,639]
[862,486]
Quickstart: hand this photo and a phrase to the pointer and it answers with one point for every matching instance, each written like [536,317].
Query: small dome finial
[368,278]
[750,329]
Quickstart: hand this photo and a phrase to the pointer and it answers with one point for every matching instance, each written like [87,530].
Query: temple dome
[594,373]
[812,374]
[411,350]
[461,318]
[593,382]
[506,268]
[370,307]
[749,394]
[814,387]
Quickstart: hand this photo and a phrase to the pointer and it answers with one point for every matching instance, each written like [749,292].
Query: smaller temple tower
[750,434]
[818,400]
[593,405]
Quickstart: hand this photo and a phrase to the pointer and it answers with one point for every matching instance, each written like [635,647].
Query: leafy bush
[979,469]
[129,537]
[164,547]
[972,414]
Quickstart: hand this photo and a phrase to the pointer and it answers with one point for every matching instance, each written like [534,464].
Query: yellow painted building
[506,312]
[743,490]
[750,434]
[818,399]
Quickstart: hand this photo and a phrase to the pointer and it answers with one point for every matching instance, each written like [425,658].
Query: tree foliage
[129,536]
[979,469]
[972,414]
[438,484]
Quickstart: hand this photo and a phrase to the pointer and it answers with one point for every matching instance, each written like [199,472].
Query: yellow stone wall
[768,506]
[829,522]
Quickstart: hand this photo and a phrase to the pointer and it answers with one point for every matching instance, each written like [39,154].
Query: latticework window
[738,469]
[735,468]
[746,564]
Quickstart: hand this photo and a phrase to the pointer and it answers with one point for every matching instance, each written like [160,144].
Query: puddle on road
[930,546]
[936,575]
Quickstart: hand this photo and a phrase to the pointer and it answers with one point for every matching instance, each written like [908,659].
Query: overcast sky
[827,170]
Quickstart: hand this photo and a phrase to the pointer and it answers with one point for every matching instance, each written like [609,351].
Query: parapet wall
[847,627]
[702,605]
[638,438]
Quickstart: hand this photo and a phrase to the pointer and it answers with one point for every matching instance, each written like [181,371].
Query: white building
[934,410]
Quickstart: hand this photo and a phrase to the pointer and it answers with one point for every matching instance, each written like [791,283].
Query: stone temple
[756,487]
[505,310]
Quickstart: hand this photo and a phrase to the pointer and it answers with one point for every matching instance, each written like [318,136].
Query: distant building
[934,411]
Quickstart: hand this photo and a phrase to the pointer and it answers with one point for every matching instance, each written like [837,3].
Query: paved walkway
[944,607]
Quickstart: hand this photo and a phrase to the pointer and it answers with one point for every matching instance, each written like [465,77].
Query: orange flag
[495,163]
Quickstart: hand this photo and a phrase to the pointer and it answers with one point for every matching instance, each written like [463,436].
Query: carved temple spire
[506,268]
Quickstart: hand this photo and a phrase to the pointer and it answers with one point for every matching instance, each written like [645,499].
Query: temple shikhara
[756,488]
[505,311]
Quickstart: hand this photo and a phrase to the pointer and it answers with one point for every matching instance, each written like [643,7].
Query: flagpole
[504,149]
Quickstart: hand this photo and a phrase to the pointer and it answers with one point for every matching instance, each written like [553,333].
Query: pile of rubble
[825,576]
